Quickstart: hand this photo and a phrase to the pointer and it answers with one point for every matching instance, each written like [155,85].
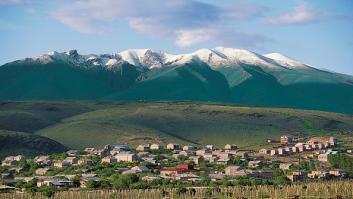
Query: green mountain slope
[251,85]
[193,81]
[59,80]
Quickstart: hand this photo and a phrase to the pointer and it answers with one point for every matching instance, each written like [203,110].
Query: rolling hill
[191,123]
[50,126]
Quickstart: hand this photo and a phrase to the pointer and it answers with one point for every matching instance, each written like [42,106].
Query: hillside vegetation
[191,123]
[79,124]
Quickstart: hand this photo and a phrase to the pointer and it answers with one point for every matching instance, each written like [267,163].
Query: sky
[316,32]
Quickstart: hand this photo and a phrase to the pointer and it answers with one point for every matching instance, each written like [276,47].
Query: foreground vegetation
[329,189]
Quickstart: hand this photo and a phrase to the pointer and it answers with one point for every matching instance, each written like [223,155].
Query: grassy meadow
[79,124]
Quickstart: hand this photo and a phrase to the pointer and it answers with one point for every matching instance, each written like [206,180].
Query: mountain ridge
[216,75]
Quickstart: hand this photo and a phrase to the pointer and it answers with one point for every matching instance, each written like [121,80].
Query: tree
[91,184]
[180,190]
[48,191]
[123,181]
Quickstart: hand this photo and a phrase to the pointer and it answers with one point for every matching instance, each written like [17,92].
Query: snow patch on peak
[112,62]
[284,60]
[240,56]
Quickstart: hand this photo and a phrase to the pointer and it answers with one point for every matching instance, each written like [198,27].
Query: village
[150,165]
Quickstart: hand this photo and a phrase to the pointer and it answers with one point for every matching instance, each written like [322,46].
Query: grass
[190,123]
[79,124]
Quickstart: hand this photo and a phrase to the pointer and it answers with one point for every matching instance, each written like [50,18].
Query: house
[242,154]
[109,159]
[72,152]
[296,176]
[273,152]
[114,151]
[61,164]
[317,140]
[224,155]
[189,148]
[307,147]
[318,174]
[230,147]
[173,146]
[280,151]
[42,160]
[126,157]
[5,188]
[109,147]
[336,172]
[58,183]
[151,178]
[42,171]
[9,162]
[223,161]
[202,152]
[287,150]
[157,146]
[71,160]
[286,139]
[169,171]
[85,162]
[187,177]
[332,141]
[232,170]
[324,157]
[285,166]
[254,164]
[140,169]
[121,147]
[264,151]
[101,153]
[143,147]
[172,171]
[12,160]
[243,172]
[89,150]
[196,159]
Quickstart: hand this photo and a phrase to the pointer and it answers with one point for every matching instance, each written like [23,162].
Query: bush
[48,191]
[180,190]
[91,184]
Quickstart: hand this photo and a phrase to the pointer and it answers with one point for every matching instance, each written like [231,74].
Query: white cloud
[218,36]
[188,22]
[9,2]
[301,14]
[186,38]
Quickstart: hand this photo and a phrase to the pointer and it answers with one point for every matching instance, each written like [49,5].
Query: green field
[196,124]
[79,124]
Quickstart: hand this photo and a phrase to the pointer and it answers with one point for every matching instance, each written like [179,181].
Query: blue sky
[317,32]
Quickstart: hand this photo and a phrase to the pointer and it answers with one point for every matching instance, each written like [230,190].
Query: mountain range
[224,75]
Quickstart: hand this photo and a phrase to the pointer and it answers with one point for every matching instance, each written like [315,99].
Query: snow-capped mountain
[215,58]
[214,75]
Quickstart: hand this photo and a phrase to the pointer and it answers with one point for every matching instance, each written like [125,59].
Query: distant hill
[223,75]
[36,127]
[12,143]
[190,123]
